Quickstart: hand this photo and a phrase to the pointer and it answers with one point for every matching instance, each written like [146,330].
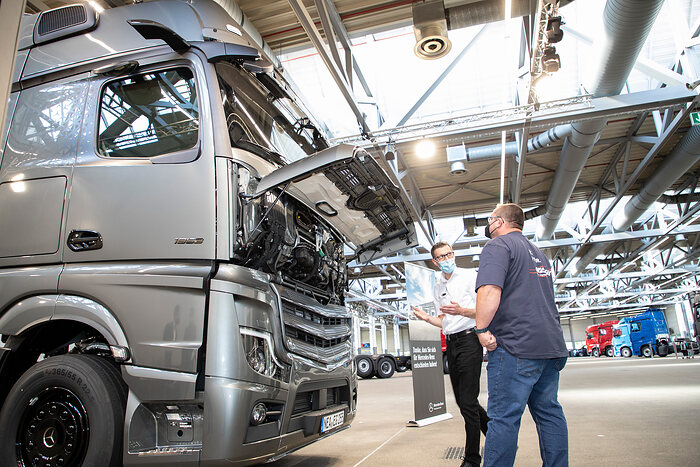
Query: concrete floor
[621,412]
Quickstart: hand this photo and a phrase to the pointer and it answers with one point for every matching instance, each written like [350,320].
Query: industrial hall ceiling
[628,153]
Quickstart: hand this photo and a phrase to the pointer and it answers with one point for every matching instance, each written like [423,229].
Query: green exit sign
[695,118]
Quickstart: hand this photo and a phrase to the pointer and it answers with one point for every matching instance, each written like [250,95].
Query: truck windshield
[261,122]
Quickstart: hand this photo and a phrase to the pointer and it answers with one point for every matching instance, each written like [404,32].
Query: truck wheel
[662,350]
[64,410]
[610,352]
[626,352]
[445,365]
[596,352]
[364,367]
[647,351]
[385,368]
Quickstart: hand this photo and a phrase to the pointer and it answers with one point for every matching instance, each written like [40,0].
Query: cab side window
[149,114]
[634,327]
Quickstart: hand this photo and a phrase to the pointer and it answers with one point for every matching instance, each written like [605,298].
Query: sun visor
[349,189]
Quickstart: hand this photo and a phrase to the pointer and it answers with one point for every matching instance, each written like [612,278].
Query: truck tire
[647,351]
[64,410]
[445,365]
[662,350]
[385,368]
[364,367]
[609,352]
[626,352]
[596,352]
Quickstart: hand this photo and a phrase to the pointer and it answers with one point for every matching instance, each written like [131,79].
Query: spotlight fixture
[554,32]
[550,60]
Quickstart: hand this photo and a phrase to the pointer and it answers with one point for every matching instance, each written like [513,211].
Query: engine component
[294,245]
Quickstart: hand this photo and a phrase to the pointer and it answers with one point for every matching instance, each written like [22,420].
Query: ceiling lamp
[425,149]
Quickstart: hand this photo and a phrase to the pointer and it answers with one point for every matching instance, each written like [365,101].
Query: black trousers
[464,358]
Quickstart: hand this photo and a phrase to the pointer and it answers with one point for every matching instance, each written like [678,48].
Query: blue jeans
[514,382]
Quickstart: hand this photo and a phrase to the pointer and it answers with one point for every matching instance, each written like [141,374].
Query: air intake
[63,22]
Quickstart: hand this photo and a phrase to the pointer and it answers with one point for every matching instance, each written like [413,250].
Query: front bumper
[230,439]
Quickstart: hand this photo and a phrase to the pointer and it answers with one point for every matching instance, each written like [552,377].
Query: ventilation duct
[431,21]
[493,151]
[683,157]
[488,11]
[627,24]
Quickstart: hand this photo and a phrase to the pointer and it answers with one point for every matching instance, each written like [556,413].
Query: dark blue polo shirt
[526,323]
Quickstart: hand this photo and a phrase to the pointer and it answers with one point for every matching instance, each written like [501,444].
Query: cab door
[140,231]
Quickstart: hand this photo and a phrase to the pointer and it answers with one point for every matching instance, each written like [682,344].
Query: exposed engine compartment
[282,237]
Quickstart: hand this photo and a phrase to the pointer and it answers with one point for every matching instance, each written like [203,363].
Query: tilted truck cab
[172,231]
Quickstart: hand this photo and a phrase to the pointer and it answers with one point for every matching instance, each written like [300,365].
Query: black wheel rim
[53,431]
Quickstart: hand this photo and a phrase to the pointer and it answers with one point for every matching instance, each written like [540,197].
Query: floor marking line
[380,446]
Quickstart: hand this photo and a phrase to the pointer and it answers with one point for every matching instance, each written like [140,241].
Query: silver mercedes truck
[173,232]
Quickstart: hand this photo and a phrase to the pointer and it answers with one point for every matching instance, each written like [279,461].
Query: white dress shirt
[458,288]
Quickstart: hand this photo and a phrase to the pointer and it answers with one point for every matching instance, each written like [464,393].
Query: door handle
[84,240]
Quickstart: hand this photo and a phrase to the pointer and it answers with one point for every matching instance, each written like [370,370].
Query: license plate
[331,421]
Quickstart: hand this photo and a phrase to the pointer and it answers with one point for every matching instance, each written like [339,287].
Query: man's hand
[434,320]
[488,340]
[454,309]
[420,314]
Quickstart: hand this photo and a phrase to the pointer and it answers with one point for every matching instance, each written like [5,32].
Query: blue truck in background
[644,334]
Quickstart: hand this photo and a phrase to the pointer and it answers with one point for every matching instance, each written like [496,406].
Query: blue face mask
[448,266]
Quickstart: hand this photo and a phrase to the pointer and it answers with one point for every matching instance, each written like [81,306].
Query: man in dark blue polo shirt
[518,322]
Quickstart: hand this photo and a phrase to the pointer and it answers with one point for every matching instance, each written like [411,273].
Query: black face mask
[487,231]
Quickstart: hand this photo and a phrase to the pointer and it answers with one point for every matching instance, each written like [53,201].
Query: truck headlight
[259,353]
[257,359]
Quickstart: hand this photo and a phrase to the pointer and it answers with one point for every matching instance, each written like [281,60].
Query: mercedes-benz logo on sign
[50,437]
[430,407]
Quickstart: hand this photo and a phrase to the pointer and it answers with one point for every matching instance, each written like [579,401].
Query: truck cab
[645,334]
[622,345]
[174,238]
[599,339]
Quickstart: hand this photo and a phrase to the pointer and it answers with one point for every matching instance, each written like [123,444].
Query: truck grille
[318,332]
[313,340]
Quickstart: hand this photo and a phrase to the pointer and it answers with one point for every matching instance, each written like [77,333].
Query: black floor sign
[428,378]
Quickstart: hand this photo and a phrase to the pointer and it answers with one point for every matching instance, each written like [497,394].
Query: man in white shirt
[455,296]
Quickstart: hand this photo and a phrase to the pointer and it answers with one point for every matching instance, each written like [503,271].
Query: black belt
[457,335]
